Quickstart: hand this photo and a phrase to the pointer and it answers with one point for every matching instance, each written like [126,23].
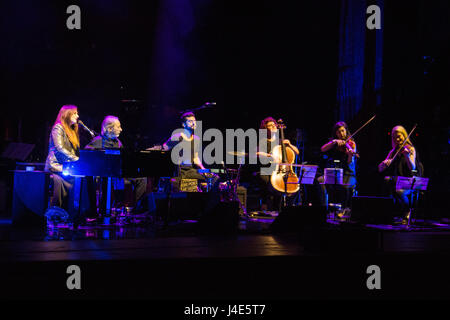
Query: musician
[109,139]
[64,146]
[187,140]
[340,152]
[405,164]
[269,196]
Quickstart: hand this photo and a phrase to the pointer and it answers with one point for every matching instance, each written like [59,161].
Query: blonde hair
[108,123]
[402,131]
[71,130]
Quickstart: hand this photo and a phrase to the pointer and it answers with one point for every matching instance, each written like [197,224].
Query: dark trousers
[271,197]
[401,197]
[64,197]
[139,186]
[337,193]
[62,187]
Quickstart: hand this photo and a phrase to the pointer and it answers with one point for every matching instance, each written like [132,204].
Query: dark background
[254,58]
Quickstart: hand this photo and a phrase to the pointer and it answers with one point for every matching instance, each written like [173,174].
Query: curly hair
[265,121]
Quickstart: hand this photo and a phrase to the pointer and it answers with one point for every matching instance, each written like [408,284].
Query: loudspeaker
[183,205]
[297,218]
[224,218]
[372,210]
[30,197]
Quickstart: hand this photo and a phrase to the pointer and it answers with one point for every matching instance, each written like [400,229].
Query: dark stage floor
[141,259]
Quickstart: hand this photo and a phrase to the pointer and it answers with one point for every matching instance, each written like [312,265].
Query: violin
[283,178]
[349,146]
[403,146]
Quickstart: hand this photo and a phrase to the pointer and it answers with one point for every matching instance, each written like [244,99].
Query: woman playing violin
[405,162]
[341,153]
[402,160]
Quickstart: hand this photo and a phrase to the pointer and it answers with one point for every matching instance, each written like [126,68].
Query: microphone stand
[233,187]
[203,106]
[91,132]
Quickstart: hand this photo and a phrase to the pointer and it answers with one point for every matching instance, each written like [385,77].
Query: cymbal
[238,153]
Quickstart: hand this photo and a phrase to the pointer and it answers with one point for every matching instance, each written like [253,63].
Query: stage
[177,261]
[107,102]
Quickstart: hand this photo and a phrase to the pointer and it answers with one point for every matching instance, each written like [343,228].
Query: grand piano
[121,163]
[117,163]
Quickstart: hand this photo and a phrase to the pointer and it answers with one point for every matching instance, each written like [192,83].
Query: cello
[283,178]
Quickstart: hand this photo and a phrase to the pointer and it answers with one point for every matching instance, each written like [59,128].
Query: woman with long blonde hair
[406,161]
[64,146]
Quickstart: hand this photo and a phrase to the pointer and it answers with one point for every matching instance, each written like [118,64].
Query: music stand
[415,184]
[307,174]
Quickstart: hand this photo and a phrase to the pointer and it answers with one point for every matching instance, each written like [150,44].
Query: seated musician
[340,154]
[405,164]
[185,139]
[270,198]
[109,139]
[64,146]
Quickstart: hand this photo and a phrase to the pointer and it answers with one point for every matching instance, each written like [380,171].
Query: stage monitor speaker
[224,218]
[372,210]
[183,205]
[297,218]
[30,197]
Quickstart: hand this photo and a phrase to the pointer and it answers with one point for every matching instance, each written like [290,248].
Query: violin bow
[365,124]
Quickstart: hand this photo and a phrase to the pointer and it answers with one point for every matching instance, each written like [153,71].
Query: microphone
[210,104]
[92,133]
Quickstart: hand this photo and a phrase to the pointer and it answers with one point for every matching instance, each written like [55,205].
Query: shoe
[406,218]
[90,220]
